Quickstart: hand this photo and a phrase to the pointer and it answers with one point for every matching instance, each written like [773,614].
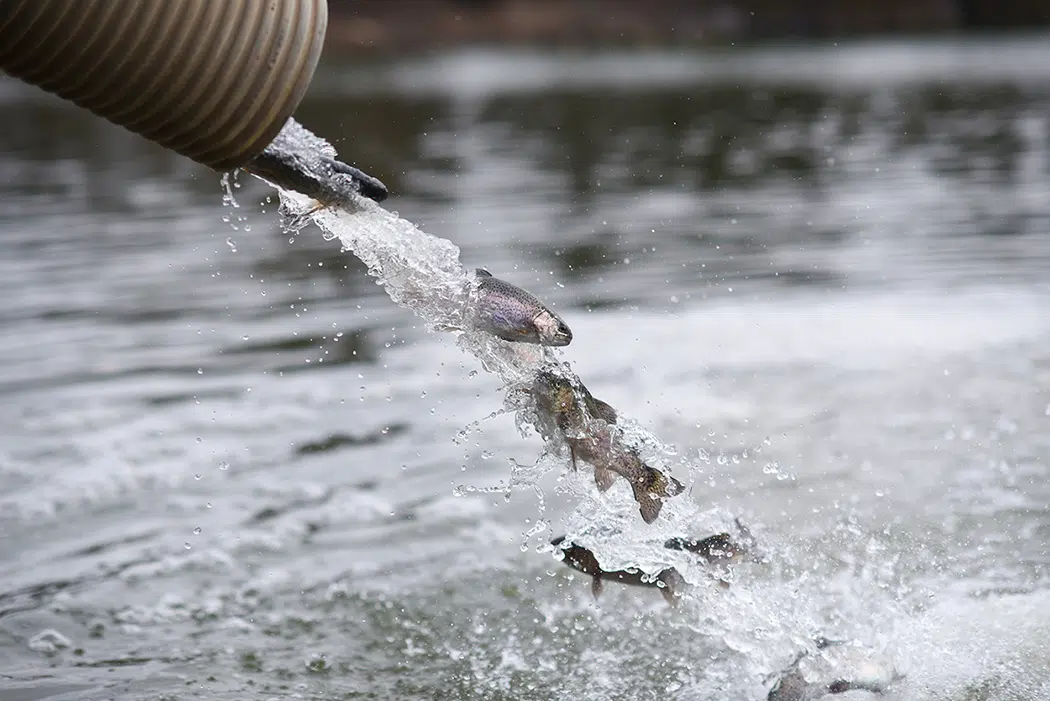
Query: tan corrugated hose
[213,80]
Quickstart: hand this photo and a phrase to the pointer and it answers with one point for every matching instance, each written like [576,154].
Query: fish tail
[673,584]
[596,586]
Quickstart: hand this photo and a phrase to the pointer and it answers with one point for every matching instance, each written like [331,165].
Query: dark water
[228,463]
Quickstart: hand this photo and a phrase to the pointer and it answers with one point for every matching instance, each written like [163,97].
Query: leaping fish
[668,581]
[587,426]
[862,672]
[513,314]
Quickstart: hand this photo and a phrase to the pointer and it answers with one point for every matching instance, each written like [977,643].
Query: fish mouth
[561,336]
[551,330]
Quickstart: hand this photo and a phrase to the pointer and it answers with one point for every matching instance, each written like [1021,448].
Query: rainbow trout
[864,673]
[718,549]
[668,581]
[569,413]
[513,314]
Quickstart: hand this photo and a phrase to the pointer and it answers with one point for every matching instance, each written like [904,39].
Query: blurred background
[231,467]
[379,26]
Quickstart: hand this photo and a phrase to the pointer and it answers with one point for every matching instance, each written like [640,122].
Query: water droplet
[232,244]
[208,505]
[198,476]
[197,530]
[223,465]
[187,545]
[423,394]
[200,371]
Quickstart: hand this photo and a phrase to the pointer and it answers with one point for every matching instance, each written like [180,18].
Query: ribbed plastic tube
[213,80]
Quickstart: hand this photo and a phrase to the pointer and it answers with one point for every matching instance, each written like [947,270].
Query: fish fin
[596,586]
[481,272]
[747,538]
[673,487]
[603,411]
[673,583]
[648,505]
[315,209]
[603,478]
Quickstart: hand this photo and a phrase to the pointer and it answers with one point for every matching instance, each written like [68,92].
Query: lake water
[232,468]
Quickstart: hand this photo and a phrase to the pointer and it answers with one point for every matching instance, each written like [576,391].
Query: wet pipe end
[214,81]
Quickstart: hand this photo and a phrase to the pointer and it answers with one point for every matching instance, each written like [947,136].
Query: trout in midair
[588,426]
[716,549]
[513,314]
[583,560]
[860,671]
[719,550]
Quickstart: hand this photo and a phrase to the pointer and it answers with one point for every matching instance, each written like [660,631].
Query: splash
[764,620]
[423,273]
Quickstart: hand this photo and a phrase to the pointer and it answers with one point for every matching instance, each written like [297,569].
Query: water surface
[229,464]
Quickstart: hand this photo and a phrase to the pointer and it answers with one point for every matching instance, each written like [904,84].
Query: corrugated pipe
[213,80]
